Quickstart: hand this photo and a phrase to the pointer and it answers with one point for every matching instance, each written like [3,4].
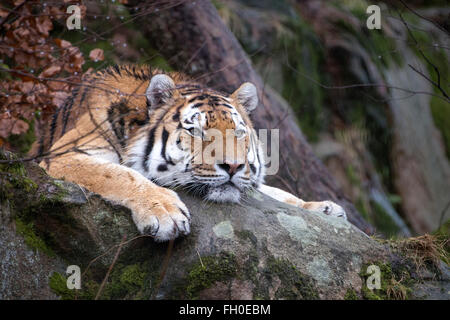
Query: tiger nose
[231,168]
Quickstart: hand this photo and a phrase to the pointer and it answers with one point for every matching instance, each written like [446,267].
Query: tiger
[126,133]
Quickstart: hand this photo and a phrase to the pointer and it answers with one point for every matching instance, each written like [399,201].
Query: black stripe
[68,108]
[52,127]
[41,146]
[176,115]
[190,91]
[116,115]
[197,105]
[165,137]
[80,151]
[117,69]
[149,147]
[139,122]
[162,167]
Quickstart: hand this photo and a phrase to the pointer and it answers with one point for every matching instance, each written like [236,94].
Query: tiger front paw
[162,215]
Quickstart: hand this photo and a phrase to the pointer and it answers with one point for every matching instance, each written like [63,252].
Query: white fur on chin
[223,193]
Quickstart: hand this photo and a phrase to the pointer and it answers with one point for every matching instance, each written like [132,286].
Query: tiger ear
[247,96]
[160,89]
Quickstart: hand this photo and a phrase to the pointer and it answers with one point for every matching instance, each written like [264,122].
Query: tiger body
[130,133]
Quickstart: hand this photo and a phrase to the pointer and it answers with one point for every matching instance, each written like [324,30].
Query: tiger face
[201,140]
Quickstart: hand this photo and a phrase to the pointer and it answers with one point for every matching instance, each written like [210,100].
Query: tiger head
[202,140]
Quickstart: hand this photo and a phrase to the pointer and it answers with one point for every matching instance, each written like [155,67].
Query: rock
[421,168]
[258,249]
[24,272]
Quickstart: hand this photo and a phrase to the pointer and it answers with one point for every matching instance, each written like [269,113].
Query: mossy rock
[270,250]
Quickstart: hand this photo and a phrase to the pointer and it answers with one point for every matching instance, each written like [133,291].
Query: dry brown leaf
[12,126]
[96,55]
[50,71]
[62,43]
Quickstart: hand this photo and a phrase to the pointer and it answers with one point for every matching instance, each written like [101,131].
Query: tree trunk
[194,39]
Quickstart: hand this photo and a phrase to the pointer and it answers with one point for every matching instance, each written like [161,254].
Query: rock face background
[259,249]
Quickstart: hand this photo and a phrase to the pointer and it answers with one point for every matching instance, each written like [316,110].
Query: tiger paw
[162,215]
[327,207]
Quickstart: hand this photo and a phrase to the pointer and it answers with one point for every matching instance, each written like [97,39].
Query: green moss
[58,284]
[127,282]
[395,283]
[351,295]
[13,176]
[294,284]
[55,197]
[31,239]
[208,271]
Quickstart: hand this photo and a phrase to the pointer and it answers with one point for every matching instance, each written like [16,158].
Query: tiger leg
[326,207]
[156,211]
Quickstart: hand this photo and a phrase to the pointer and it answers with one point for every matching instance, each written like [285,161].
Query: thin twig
[435,68]
[110,268]
[437,25]
[201,262]
[164,267]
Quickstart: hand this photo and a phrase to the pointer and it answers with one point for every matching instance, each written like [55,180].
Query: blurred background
[373,104]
